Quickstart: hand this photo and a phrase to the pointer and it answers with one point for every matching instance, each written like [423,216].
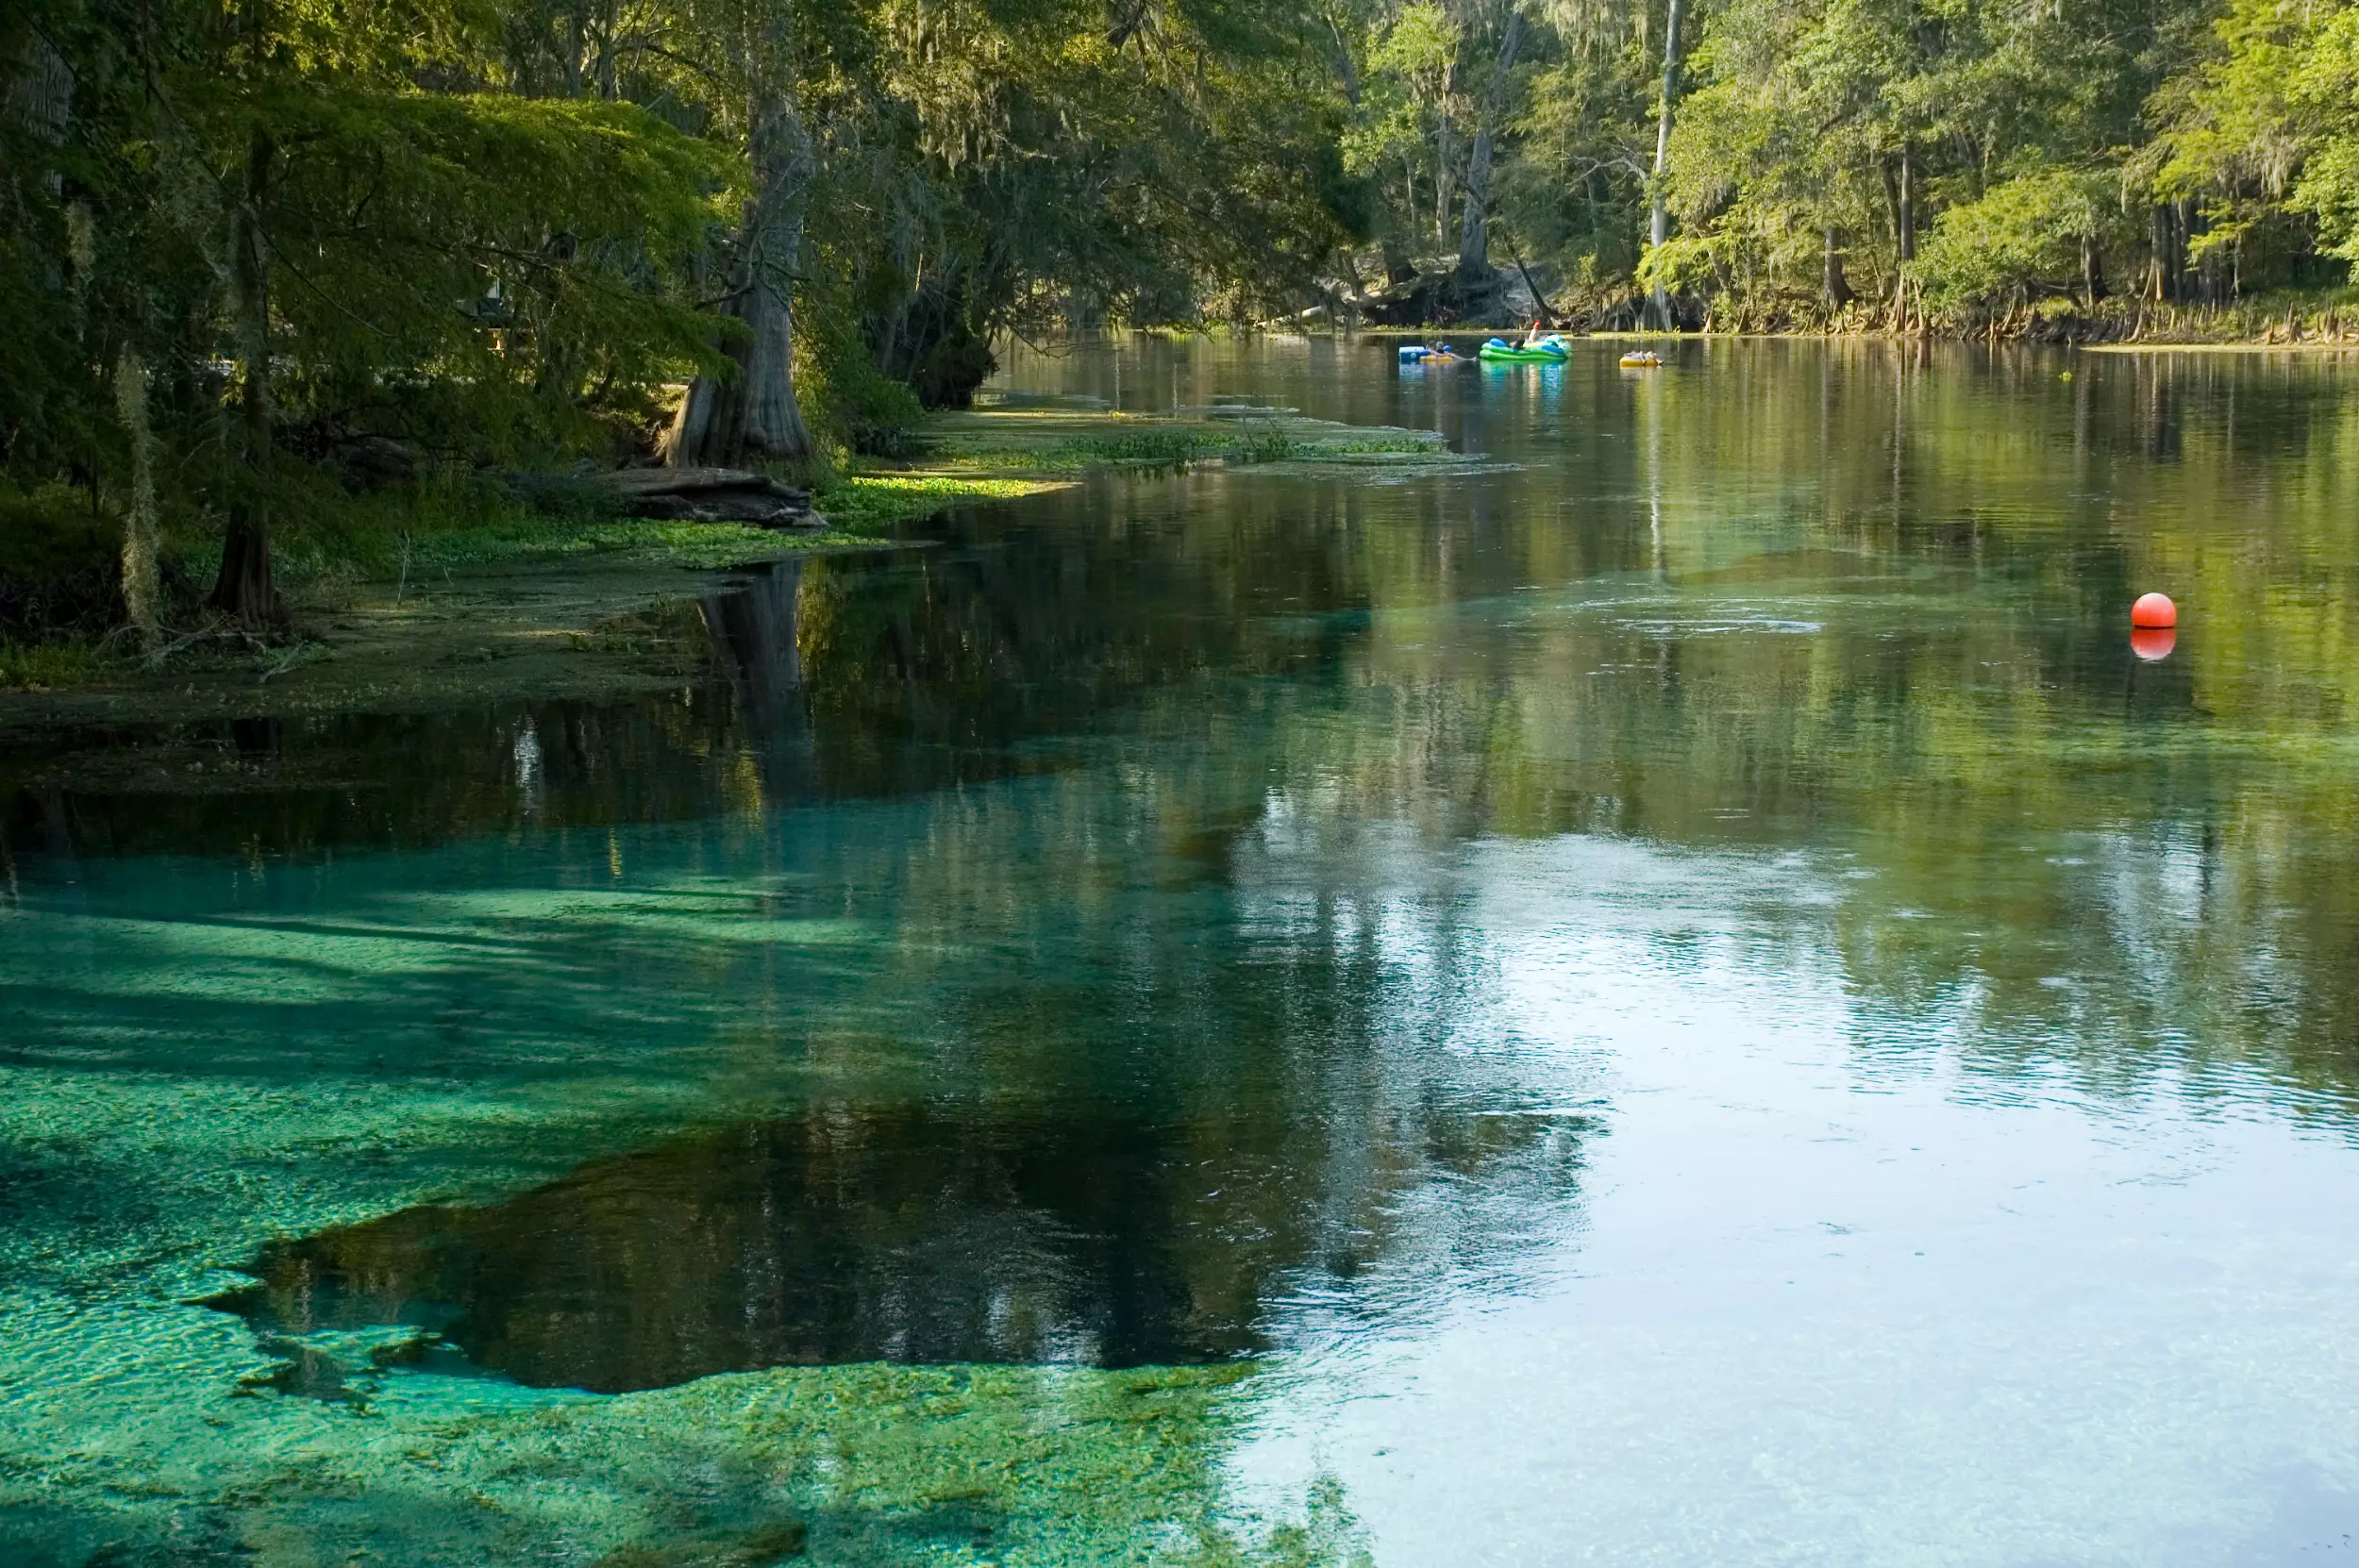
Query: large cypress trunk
[729,421]
[247,590]
[1474,227]
[1474,231]
[1900,189]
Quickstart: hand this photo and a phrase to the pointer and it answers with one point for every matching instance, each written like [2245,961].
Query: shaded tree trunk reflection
[753,630]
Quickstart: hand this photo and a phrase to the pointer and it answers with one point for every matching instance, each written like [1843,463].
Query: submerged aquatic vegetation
[204,1438]
[1061,440]
[873,1463]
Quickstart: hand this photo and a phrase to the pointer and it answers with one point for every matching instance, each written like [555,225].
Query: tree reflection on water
[858,1234]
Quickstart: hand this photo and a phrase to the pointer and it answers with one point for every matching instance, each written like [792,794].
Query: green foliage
[1055,171]
[2269,123]
[502,231]
[52,530]
[1941,161]
[58,571]
[64,661]
[855,407]
[1576,190]
[507,231]
[1420,47]
[510,256]
[2026,234]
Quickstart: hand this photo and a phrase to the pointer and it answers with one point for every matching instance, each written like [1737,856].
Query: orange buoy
[2153,644]
[2154,610]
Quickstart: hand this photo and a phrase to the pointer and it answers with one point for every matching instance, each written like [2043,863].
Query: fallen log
[670,494]
[710,495]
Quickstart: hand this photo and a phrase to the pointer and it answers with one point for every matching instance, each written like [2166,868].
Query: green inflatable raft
[1547,351]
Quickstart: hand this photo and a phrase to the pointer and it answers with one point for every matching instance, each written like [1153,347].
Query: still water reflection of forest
[1685,997]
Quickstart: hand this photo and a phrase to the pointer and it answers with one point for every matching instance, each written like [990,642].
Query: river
[1679,993]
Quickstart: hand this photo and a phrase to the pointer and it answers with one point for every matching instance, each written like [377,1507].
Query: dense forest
[255,248]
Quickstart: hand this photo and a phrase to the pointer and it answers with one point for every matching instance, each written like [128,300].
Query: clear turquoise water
[1681,996]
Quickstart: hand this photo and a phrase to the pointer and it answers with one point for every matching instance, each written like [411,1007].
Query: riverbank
[410,611]
[2347,341]
[2325,317]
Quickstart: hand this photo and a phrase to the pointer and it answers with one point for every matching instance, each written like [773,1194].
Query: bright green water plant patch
[1061,439]
[864,504]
